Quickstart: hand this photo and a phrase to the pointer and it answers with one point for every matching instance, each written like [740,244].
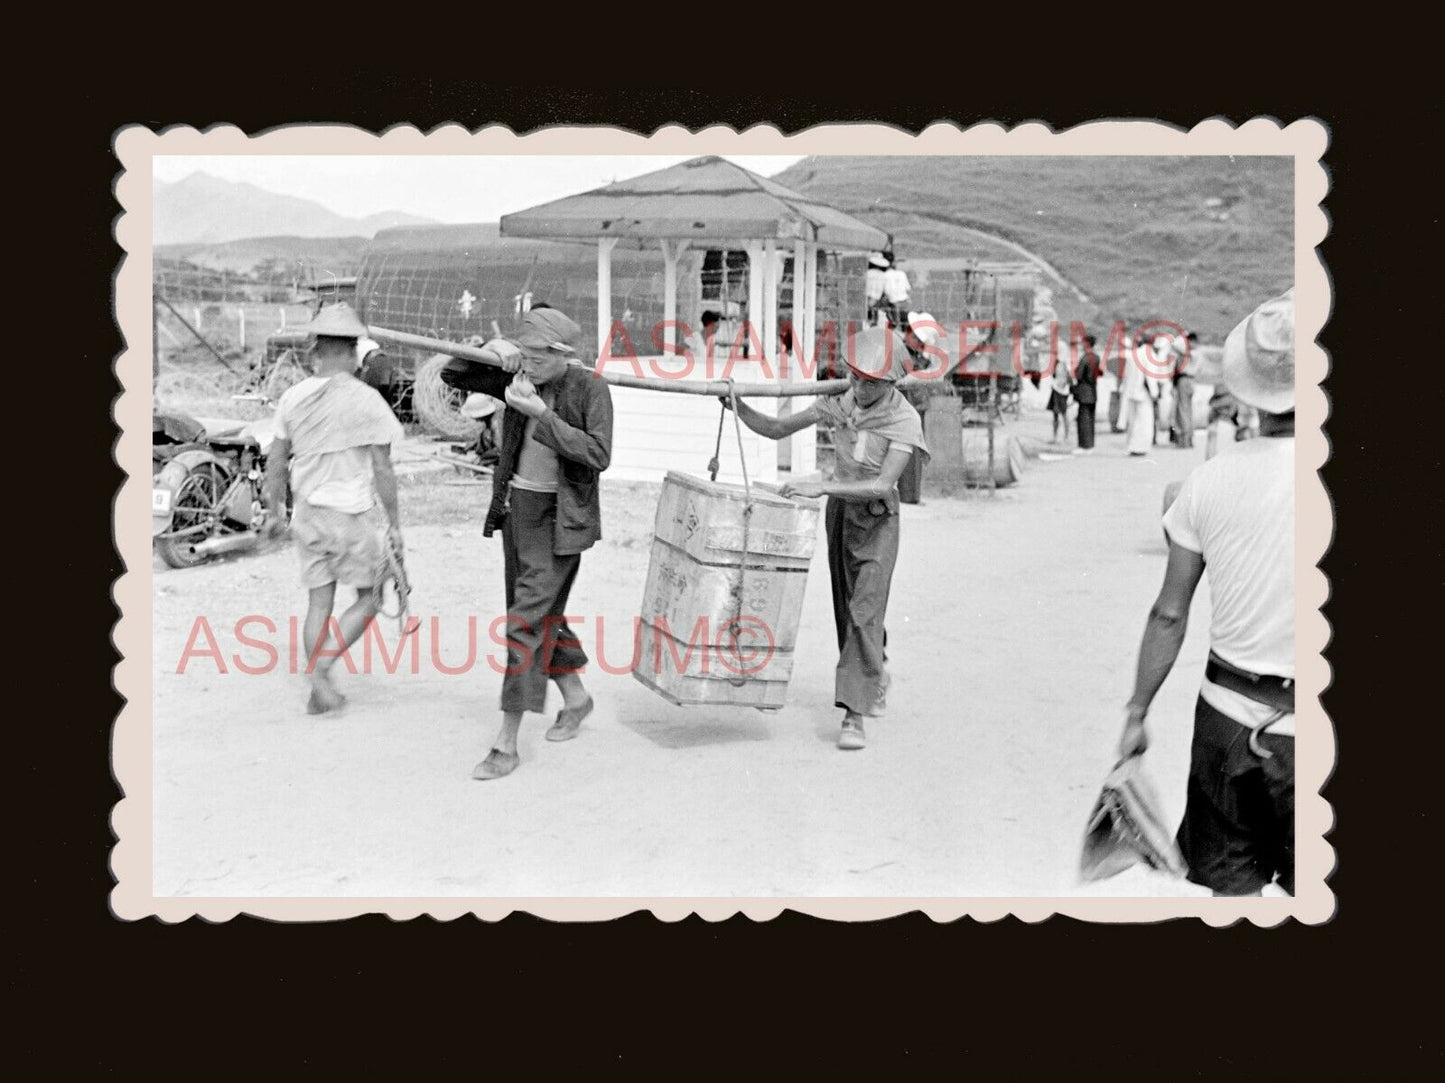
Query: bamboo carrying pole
[712,388]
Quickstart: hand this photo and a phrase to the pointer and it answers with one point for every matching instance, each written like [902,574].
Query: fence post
[992,407]
[241,318]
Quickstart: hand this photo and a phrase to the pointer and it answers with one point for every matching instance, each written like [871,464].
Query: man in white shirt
[1061,384]
[701,344]
[895,292]
[873,283]
[1235,516]
[334,436]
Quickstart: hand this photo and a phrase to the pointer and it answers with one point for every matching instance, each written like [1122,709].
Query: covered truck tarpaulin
[455,281]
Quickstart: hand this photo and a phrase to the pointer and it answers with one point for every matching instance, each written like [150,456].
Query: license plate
[160,501]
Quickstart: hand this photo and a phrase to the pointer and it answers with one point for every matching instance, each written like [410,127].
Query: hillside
[1199,240]
[257,255]
[202,209]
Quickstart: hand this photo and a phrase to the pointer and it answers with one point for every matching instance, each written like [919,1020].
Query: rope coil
[440,406]
[392,569]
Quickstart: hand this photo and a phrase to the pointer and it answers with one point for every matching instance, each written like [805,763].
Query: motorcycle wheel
[194,505]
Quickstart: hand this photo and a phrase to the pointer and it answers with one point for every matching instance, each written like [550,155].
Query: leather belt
[1276,692]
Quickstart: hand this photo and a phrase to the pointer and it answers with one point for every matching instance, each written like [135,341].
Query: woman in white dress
[1137,415]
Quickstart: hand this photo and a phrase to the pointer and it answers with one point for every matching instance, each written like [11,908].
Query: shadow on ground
[742,724]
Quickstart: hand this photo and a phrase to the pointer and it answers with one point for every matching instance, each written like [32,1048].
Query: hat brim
[1243,380]
[540,344]
[873,378]
[892,376]
[332,324]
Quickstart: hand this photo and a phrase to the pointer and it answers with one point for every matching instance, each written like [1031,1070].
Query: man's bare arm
[894,463]
[386,484]
[774,428]
[1163,636]
[278,461]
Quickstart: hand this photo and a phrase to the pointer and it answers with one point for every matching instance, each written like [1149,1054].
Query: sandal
[497,765]
[569,720]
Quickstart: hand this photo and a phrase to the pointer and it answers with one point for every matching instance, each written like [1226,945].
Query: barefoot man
[556,441]
[875,434]
[333,439]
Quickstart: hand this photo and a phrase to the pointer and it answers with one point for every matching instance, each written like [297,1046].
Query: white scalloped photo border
[1304,140]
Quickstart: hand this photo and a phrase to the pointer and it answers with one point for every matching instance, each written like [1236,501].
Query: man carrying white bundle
[1235,516]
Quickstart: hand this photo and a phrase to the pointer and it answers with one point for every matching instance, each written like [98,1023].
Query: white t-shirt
[1238,511]
[341,480]
[873,284]
[1060,378]
[895,286]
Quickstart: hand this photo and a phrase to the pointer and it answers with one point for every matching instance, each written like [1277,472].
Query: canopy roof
[706,199]
[478,241]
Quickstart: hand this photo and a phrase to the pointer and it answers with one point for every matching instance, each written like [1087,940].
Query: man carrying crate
[875,434]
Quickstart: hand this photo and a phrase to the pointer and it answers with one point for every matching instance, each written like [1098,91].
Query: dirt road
[1013,629]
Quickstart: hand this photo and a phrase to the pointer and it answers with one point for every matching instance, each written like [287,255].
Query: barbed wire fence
[212,326]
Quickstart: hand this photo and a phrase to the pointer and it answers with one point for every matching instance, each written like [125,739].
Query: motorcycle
[206,481]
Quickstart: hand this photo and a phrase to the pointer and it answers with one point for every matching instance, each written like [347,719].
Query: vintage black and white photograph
[723,519]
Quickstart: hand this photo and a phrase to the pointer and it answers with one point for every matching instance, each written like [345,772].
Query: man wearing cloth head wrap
[556,441]
[875,435]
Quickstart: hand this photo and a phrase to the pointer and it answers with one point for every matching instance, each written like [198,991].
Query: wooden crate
[700,674]
[686,650]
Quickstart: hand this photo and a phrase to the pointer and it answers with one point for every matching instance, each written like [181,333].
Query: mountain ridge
[1199,240]
[203,209]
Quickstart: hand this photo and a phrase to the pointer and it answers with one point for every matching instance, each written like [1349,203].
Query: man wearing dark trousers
[1235,516]
[1086,393]
[556,441]
[1182,429]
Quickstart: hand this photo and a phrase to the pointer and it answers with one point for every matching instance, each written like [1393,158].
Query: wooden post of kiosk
[992,410]
[605,245]
[671,251]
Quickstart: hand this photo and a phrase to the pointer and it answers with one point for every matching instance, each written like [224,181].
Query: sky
[452,188]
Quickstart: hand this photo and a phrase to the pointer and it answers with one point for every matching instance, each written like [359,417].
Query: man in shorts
[1235,516]
[333,442]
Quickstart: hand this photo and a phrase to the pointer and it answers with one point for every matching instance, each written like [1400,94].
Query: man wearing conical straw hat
[334,436]
[1234,516]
